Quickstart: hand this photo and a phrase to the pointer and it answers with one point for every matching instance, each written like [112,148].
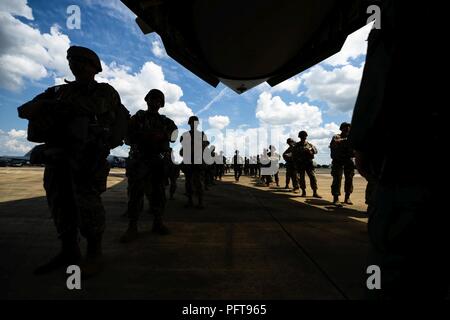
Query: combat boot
[131,234]
[303,193]
[316,195]
[70,254]
[93,263]
[347,199]
[335,199]
[296,190]
[159,227]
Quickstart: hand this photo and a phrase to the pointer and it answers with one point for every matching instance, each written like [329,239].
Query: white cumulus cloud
[158,49]
[273,110]
[291,85]
[338,87]
[25,52]
[280,120]
[218,122]
[17,8]
[14,143]
[133,87]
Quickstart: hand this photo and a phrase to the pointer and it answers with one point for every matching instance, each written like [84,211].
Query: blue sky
[317,100]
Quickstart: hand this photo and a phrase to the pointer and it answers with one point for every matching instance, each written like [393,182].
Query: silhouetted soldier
[258,166]
[225,165]
[266,178]
[274,158]
[291,171]
[149,135]
[237,165]
[129,164]
[193,166]
[252,163]
[304,154]
[79,122]
[220,166]
[397,132]
[209,165]
[342,163]
[173,173]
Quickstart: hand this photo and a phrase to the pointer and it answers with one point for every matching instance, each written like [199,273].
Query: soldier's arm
[333,142]
[173,132]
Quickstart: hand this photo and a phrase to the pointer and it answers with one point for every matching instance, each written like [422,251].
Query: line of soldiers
[78,123]
[299,161]
[250,166]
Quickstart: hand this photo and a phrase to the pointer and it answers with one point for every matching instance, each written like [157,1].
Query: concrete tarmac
[251,242]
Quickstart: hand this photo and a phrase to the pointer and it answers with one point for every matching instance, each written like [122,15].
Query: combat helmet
[154,93]
[84,54]
[344,125]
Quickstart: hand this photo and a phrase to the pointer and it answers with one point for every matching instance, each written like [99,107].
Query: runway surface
[251,242]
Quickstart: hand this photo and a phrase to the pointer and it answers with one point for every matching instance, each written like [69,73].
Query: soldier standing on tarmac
[303,156]
[342,163]
[149,135]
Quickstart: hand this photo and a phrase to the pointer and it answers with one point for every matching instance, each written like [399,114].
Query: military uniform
[275,164]
[303,157]
[291,171]
[193,165]
[173,173]
[77,123]
[149,136]
[342,163]
[237,166]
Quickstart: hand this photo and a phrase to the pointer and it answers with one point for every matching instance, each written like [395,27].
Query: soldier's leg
[188,175]
[136,185]
[92,219]
[302,180]
[277,179]
[313,180]
[158,195]
[336,173]
[61,200]
[206,181]
[89,188]
[294,178]
[349,172]
[197,179]
[288,177]
[92,226]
